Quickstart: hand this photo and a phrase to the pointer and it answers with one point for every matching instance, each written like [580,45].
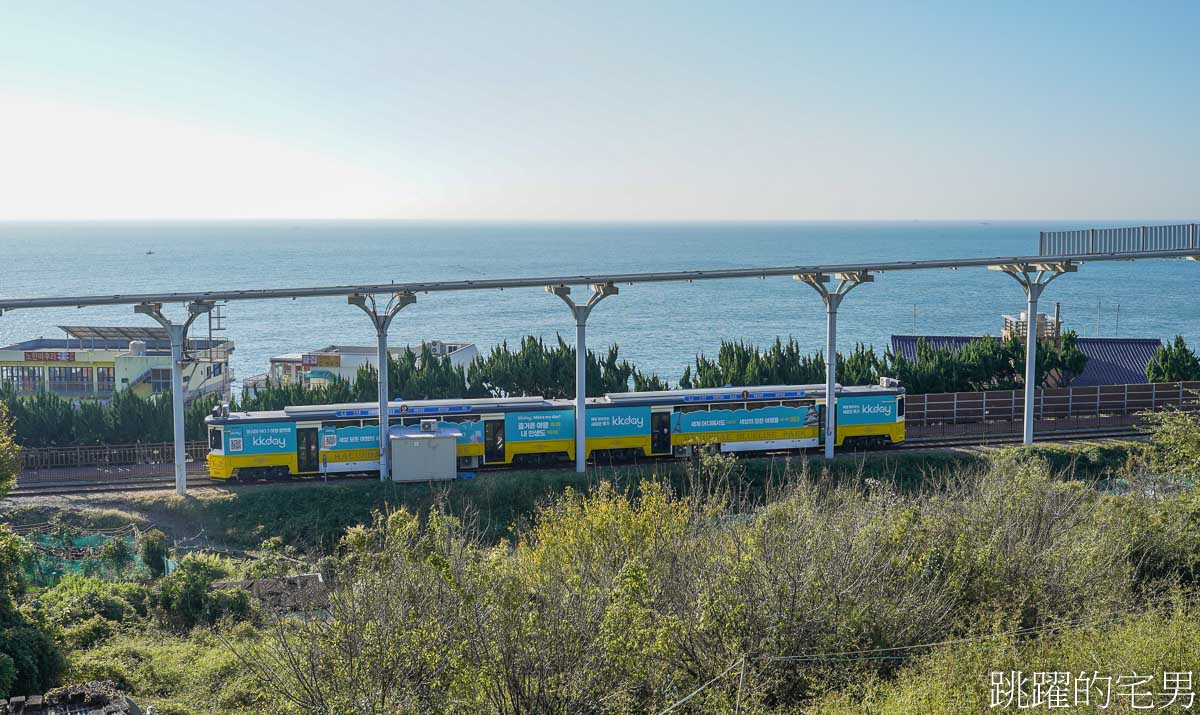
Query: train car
[331,439]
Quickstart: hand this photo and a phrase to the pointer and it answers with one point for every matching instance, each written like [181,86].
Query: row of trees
[534,368]
[538,367]
[47,420]
[985,364]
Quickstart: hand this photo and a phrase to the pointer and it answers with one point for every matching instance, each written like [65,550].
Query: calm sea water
[659,327]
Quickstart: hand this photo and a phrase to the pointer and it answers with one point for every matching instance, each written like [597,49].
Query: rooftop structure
[1015,326]
[96,362]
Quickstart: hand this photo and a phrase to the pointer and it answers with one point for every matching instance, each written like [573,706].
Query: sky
[589,111]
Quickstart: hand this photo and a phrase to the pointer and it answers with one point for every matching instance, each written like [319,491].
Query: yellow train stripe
[641,442]
[222,466]
[549,446]
[895,430]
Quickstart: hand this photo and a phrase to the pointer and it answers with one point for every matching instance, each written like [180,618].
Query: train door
[493,441]
[308,449]
[820,408]
[660,432]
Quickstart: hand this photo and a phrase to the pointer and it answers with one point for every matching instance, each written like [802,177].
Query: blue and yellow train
[531,430]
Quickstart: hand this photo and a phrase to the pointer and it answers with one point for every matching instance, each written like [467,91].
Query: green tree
[154,549]
[185,598]
[10,453]
[1174,442]
[29,660]
[1174,362]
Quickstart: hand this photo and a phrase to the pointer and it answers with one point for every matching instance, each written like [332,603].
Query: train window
[694,408]
[370,423]
[340,423]
[214,439]
[797,403]
[900,406]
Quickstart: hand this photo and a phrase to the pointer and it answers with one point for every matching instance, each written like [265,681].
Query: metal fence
[1000,412]
[1120,240]
[60,464]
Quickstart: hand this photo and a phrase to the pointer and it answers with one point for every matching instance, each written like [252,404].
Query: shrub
[8,675]
[116,553]
[154,550]
[184,598]
[76,599]
[89,633]
[955,679]
[10,453]
[1174,443]
[274,559]
[636,599]
[36,660]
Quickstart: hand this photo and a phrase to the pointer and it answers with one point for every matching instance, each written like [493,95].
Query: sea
[659,327]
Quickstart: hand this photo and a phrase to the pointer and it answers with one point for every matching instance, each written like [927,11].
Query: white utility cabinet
[424,453]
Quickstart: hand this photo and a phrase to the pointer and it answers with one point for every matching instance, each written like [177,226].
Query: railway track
[167,480]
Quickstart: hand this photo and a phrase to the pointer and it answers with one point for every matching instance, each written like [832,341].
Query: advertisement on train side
[260,438]
[866,410]
[737,420]
[541,426]
[343,438]
[618,422]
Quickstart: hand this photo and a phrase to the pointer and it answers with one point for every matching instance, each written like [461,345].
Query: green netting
[106,555]
[88,541]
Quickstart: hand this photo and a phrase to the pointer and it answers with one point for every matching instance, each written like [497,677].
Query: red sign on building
[49,357]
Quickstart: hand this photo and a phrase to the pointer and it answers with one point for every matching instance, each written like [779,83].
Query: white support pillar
[177,332]
[382,321]
[1033,278]
[832,299]
[581,313]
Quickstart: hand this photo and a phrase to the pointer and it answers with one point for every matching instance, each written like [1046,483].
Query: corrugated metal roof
[1116,361]
[115,332]
[1111,361]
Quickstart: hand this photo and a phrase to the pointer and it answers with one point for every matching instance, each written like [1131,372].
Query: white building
[343,362]
[95,362]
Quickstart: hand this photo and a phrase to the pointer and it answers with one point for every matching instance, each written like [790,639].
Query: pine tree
[1174,362]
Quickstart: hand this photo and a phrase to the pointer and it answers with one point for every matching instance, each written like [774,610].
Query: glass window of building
[23,378]
[160,379]
[70,380]
[106,379]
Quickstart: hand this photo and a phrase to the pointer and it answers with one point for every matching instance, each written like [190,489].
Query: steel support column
[1033,278]
[581,313]
[177,332]
[832,299]
[382,320]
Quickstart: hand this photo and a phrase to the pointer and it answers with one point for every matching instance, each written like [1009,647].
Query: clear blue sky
[599,110]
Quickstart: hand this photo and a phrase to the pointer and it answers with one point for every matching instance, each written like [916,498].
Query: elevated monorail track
[166,481]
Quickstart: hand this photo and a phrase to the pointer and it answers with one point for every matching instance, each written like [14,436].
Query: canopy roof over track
[114,332]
